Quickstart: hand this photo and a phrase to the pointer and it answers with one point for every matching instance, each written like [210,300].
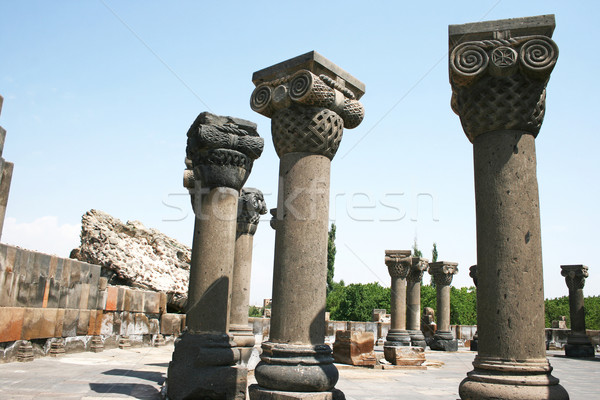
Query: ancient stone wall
[44,298]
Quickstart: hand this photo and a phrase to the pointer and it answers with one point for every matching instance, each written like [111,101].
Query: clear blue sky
[99,96]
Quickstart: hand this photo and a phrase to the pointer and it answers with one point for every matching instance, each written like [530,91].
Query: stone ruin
[498,75]
[131,254]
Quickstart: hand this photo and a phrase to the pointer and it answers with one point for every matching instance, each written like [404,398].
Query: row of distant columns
[406,273]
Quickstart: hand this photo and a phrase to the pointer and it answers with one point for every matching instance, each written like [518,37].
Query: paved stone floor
[138,373]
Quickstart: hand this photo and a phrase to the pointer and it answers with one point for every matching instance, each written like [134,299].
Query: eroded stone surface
[354,348]
[131,254]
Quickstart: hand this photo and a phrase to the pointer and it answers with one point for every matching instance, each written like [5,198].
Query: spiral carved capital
[418,267]
[399,263]
[309,112]
[500,84]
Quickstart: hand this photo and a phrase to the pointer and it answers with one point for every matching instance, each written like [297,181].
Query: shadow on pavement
[137,390]
[152,376]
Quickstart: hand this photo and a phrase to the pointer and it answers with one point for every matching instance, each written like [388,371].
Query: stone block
[83,322]
[91,323]
[378,314]
[154,326]
[127,323]
[52,298]
[11,323]
[354,348]
[137,300]
[404,355]
[163,303]
[39,323]
[74,288]
[102,283]
[7,289]
[112,293]
[101,301]
[59,322]
[94,282]
[127,298]
[356,326]
[171,324]
[107,325]
[64,282]
[84,295]
[95,326]
[151,302]
[70,322]
[141,324]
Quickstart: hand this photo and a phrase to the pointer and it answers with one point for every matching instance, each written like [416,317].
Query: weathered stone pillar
[221,151]
[310,100]
[251,205]
[498,73]
[413,301]
[442,272]
[6,171]
[578,342]
[399,264]
[473,275]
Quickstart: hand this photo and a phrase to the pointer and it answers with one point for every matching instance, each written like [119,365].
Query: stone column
[399,264]
[442,272]
[473,275]
[498,74]
[251,205]
[578,342]
[413,301]
[221,151]
[309,100]
[6,171]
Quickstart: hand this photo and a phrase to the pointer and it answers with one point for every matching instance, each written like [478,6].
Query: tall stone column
[399,264]
[498,72]
[413,301]
[442,272]
[309,100]
[251,205]
[475,340]
[578,342]
[221,151]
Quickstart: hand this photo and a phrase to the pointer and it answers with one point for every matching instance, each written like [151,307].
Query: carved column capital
[310,101]
[443,272]
[398,262]
[473,273]
[574,275]
[418,267]
[222,150]
[499,81]
[251,205]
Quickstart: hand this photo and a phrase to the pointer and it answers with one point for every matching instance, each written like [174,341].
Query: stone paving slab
[138,373]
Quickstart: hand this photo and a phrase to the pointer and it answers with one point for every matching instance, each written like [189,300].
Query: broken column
[442,272]
[251,205]
[413,301]
[309,100]
[578,342]
[498,73]
[221,151]
[6,171]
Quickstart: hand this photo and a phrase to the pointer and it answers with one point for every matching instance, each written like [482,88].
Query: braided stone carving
[574,276]
[398,263]
[443,272]
[251,205]
[308,112]
[221,151]
[500,84]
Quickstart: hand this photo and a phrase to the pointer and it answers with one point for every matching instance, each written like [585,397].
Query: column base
[259,393]
[397,337]
[417,339]
[244,339]
[296,368]
[203,367]
[444,341]
[493,378]
[404,355]
[579,345]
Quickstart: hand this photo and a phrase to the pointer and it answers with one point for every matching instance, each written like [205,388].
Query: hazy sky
[99,95]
